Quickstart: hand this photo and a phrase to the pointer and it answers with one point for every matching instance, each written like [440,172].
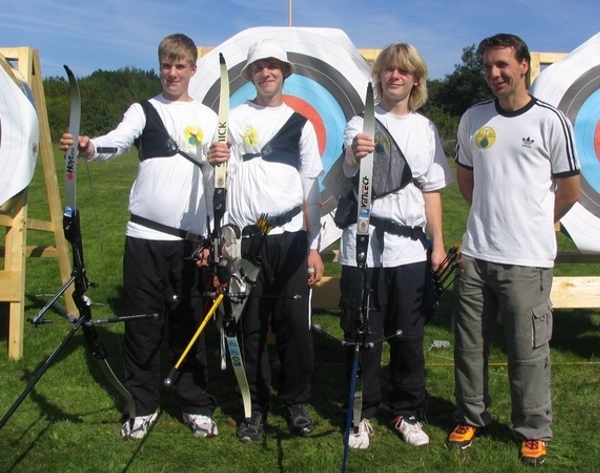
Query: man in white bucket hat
[273,170]
[263,50]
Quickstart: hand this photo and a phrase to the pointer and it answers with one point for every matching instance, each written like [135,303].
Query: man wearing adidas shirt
[517,168]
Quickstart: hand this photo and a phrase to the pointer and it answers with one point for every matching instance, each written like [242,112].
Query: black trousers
[158,279]
[273,305]
[396,303]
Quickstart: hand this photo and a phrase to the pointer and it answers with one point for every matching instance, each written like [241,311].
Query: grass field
[70,421]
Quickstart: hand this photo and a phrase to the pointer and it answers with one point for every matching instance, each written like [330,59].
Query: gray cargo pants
[519,298]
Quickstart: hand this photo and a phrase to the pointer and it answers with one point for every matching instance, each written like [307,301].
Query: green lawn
[70,421]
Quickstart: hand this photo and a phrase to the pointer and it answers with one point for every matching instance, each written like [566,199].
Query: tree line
[107,94]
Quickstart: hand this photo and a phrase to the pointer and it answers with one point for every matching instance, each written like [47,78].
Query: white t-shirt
[515,158]
[169,190]
[258,186]
[420,143]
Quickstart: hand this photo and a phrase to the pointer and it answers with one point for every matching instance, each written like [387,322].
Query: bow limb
[363,216]
[219,206]
[220,170]
[72,229]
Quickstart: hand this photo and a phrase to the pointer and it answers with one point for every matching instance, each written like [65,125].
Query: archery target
[328,87]
[573,85]
[19,135]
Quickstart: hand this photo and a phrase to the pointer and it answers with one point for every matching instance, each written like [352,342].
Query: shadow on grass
[24,452]
[31,378]
[576,331]
[64,349]
[4,312]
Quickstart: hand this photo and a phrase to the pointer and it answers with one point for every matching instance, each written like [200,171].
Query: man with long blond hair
[409,170]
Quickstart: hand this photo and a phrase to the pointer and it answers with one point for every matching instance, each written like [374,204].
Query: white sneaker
[202,426]
[138,427]
[360,439]
[411,431]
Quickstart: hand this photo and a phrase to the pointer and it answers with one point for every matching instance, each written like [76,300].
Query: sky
[111,34]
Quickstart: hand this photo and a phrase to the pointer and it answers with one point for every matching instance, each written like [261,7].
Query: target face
[19,134]
[573,86]
[328,87]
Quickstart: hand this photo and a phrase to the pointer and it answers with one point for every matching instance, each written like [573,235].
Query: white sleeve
[353,127]
[462,154]
[563,154]
[312,199]
[122,137]
[438,174]
[311,164]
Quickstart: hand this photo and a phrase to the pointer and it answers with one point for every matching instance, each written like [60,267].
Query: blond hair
[177,46]
[406,58]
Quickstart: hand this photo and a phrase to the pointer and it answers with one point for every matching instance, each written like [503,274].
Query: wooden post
[538,60]
[12,279]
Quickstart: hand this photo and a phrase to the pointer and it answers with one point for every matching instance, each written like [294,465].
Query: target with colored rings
[581,103]
[573,85]
[19,135]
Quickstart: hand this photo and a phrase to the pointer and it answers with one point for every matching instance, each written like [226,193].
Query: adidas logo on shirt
[527,142]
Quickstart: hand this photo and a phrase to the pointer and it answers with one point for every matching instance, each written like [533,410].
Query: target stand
[14,215]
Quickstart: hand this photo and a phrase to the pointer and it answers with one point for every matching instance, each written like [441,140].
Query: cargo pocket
[542,324]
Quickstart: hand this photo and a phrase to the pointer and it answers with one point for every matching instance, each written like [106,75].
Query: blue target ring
[580,105]
[586,122]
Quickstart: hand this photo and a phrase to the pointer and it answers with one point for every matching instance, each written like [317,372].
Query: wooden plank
[6,220]
[326,293]
[330,256]
[9,286]
[369,54]
[14,268]
[576,292]
[41,225]
[40,251]
[538,60]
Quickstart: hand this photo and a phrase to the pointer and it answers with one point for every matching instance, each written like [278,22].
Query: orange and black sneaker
[462,436]
[533,452]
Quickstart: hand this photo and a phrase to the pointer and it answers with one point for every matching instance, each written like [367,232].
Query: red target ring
[306,109]
[597,141]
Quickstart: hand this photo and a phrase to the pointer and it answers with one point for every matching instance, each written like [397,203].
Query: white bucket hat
[264,49]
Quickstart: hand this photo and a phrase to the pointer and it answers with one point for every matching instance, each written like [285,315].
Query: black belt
[189,236]
[284,218]
[387,226]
